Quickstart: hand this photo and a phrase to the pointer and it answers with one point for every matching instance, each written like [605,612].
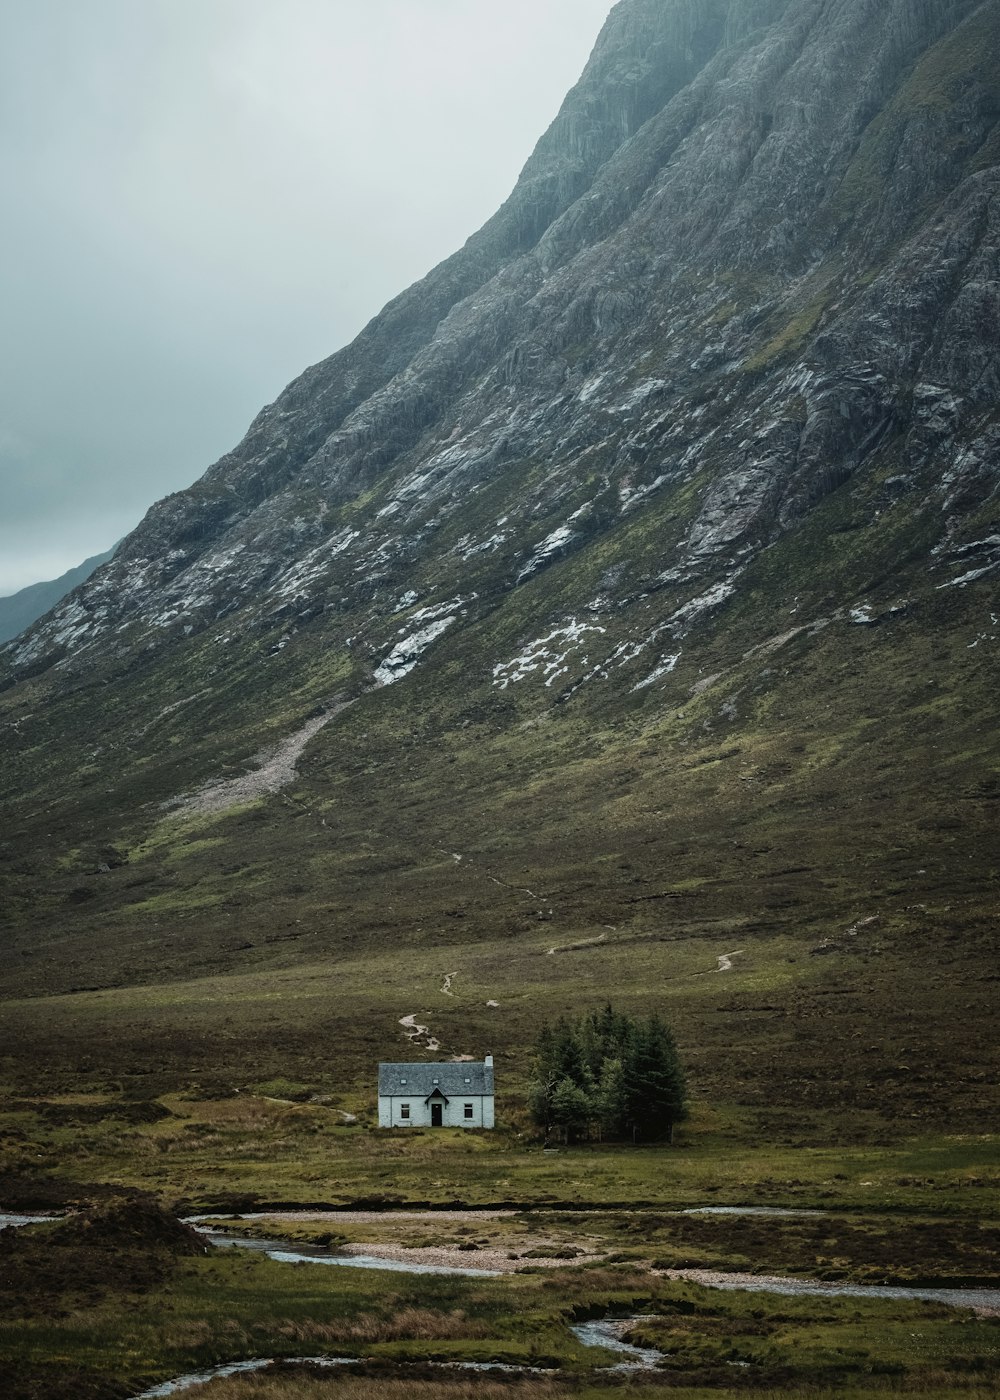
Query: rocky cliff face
[645,534]
[755,254]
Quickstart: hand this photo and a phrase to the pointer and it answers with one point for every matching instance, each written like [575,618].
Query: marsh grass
[672,827]
[299,1387]
[826,1340]
[198,1311]
[411,1324]
[371,1387]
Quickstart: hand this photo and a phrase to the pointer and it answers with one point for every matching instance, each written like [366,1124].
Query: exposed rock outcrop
[758,247]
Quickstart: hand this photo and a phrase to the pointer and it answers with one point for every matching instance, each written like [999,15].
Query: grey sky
[201,197]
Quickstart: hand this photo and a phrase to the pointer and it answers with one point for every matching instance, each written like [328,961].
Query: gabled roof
[422,1079]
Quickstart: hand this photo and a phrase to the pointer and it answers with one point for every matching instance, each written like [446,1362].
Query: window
[468,1081]
[404,1110]
[468,1110]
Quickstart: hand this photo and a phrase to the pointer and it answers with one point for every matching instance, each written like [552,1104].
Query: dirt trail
[575,947]
[418,1035]
[724,963]
[726,960]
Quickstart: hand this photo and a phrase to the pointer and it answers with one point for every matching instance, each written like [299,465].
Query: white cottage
[436,1096]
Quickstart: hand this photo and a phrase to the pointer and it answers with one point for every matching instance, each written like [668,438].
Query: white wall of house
[454,1114]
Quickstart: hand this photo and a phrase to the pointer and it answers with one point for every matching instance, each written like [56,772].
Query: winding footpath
[417,1034]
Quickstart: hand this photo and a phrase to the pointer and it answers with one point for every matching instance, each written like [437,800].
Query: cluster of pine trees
[617,1074]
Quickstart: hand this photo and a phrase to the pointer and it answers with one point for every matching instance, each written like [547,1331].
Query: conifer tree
[572,1109]
[611,1070]
[610,1100]
[655,1089]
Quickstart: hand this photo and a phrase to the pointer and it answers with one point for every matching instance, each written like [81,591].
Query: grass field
[249,1148]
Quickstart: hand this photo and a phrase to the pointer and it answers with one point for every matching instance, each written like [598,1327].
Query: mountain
[19,610]
[624,594]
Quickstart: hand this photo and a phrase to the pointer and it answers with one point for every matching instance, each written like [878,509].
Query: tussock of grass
[408,1324]
[370,1387]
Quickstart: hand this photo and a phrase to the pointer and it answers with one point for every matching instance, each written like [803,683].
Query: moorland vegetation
[628,594]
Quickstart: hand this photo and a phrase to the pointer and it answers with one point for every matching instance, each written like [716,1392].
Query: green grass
[249,1147]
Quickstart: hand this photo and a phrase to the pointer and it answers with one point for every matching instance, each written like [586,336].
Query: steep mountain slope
[653,538]
[19,610]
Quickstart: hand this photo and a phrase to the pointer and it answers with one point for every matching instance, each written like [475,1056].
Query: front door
[436,1112]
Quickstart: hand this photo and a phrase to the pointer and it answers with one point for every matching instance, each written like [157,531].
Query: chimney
[488,1061]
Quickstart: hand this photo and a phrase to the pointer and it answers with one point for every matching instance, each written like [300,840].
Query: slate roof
[420,1079]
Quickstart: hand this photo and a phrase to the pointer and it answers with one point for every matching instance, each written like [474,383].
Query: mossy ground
[811,798]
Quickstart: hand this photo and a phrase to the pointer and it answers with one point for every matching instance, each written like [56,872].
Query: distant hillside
[19,610]
[626,596]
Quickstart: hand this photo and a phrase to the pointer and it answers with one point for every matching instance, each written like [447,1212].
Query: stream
[606,1333]
[609,1333]
[322,1363]
[236,1368]
[287,1253]
[985,1299]
[773,1212]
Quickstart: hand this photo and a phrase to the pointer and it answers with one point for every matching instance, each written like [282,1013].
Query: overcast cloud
[202,197]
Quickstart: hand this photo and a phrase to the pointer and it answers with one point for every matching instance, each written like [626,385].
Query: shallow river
[606,1333]
[985,1299]
[288,1253]
[17,1220]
